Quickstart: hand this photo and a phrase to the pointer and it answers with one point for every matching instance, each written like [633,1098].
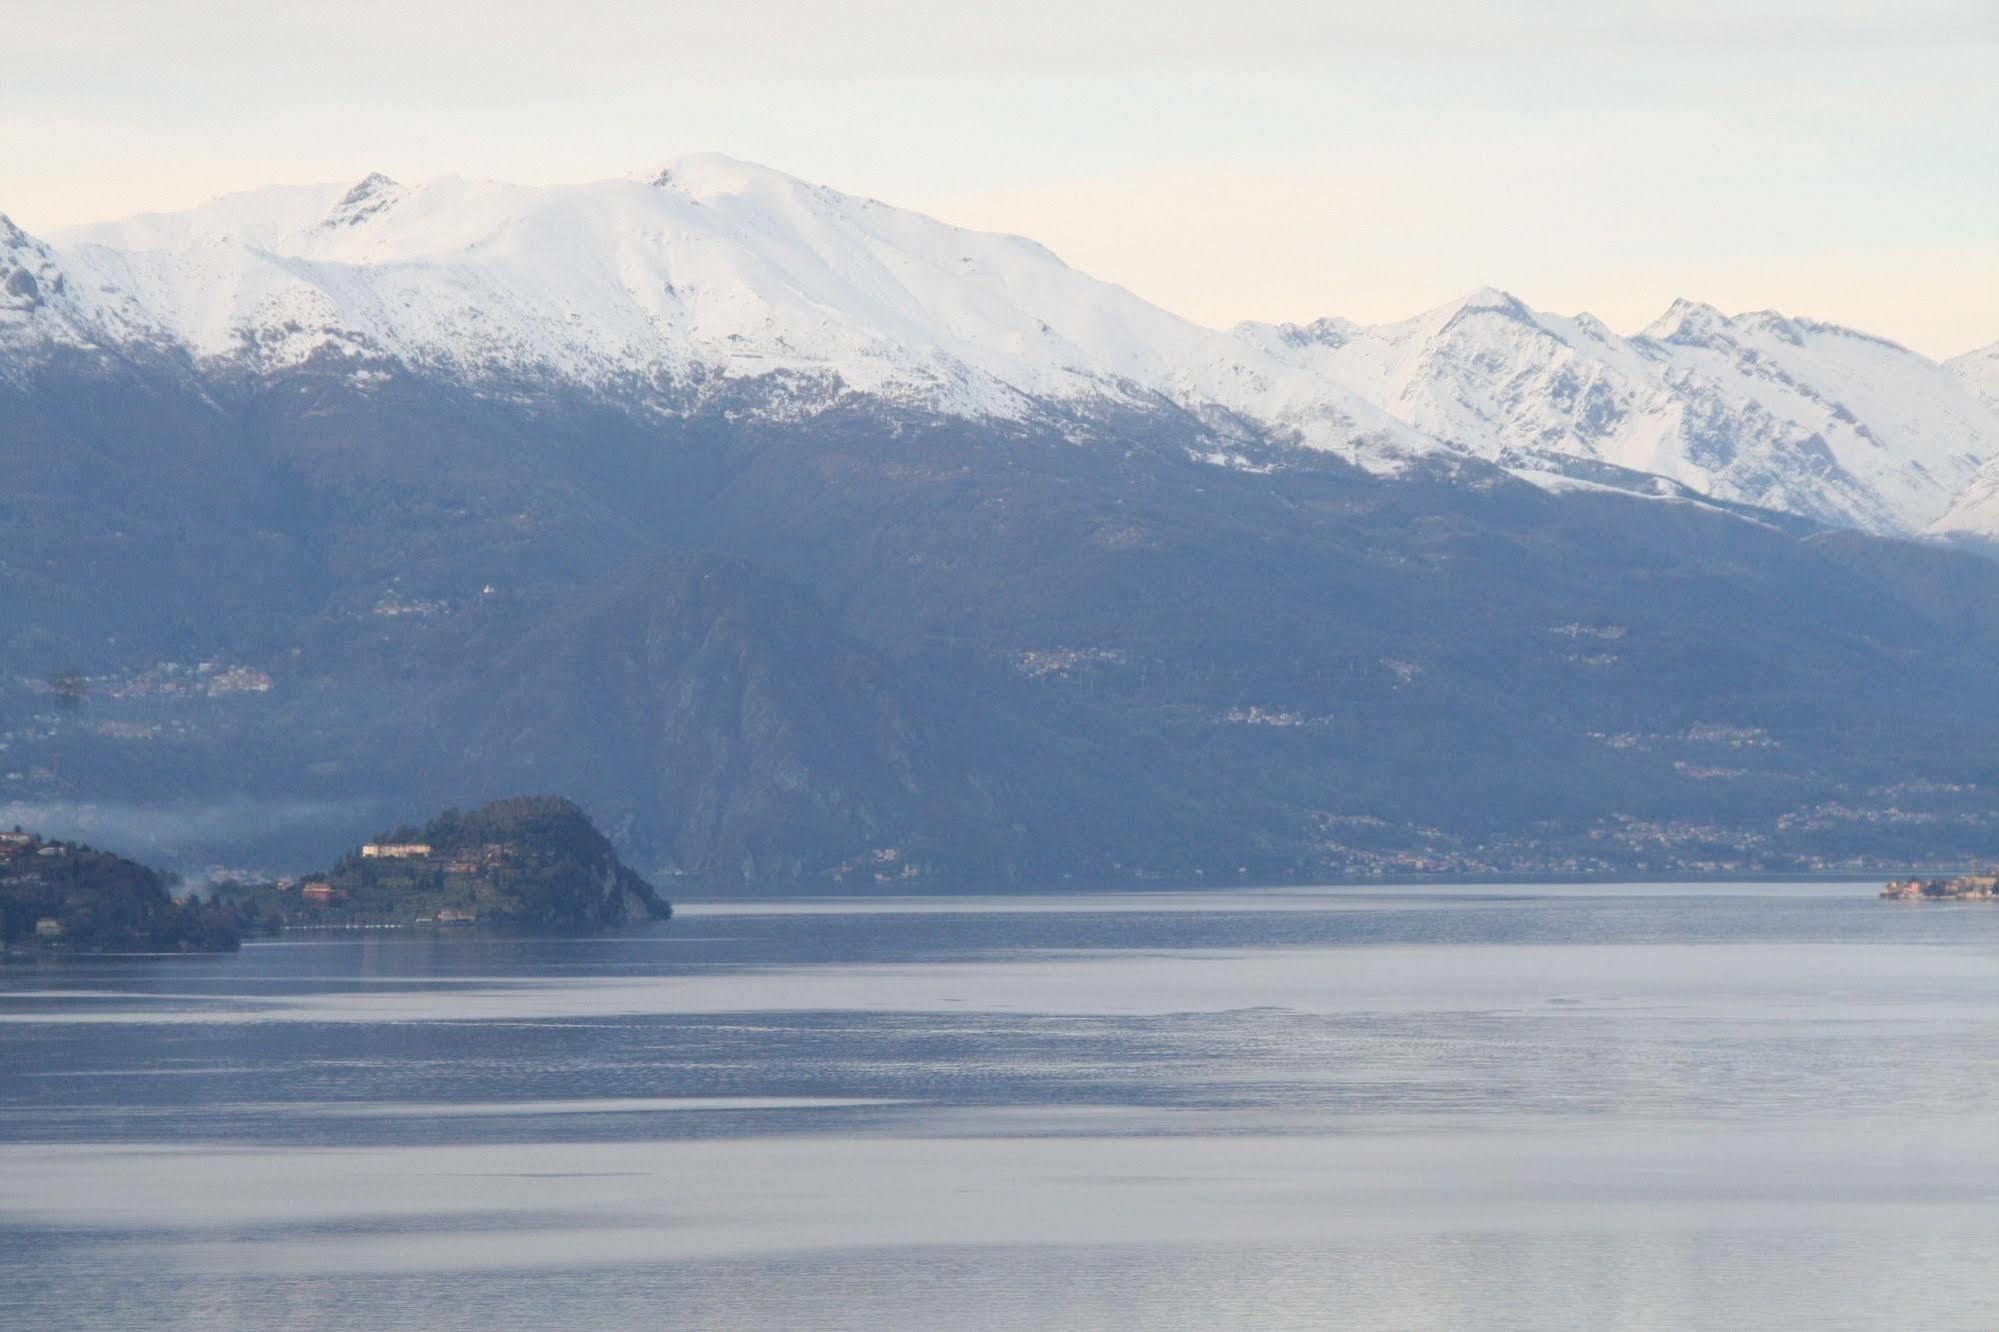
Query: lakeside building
[1964,888]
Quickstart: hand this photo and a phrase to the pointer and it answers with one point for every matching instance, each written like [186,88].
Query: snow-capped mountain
[41,308]
[717,281]
[1785,414]
[1980,369]
[708,274]
[1975,512]
[805,538]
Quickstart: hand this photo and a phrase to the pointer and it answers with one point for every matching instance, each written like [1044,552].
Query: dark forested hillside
[865,645]
[522,861]
[65,897]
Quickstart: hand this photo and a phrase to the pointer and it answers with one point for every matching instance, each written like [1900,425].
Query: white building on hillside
[394,850]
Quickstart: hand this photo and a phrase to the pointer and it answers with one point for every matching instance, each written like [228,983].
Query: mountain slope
[744,734]
[813,544]
[711,276]
[1974,513]
[719,285]
[770,655]
[1980,369]
[1790,415]
[1893,420]
[46,313]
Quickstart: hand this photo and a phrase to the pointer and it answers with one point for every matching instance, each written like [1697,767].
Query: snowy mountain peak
[42,309]
[1762,408]
[716,178]
[1592,327]
[1979,369]
[371,185]
[25,265]
[1692,323]
[719,284]
[1485,300]
[372,195]
[1486,303]
[1684,321]
[1330,331]
[711,277]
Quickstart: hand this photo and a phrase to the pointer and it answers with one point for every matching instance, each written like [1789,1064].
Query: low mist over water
[1651,1106]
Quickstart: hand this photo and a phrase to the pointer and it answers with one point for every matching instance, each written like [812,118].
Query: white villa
[394,850]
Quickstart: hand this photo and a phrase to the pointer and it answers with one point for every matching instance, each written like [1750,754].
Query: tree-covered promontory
[66,897]
[534,861]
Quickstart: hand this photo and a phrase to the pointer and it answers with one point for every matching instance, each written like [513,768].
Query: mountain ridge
[799,611]
[1751,408]
[866,647]
[713,280]
[715,269]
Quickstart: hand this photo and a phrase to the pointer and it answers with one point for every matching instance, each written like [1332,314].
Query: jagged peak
[1801,326]
[1777,324]
[370,196]
[1488,298]
[1482,301]
[1325,331]
[1683,320]
[1595,327]
[1494,297]
[1689,322]
[370,185]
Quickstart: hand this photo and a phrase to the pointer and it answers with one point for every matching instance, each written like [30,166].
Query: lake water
[1665,1106]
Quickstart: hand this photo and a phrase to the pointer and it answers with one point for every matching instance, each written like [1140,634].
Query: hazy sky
[1227,158]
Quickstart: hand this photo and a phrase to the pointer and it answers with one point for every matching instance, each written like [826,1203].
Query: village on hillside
[465,875]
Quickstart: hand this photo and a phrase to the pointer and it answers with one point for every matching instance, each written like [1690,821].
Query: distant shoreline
[905,889]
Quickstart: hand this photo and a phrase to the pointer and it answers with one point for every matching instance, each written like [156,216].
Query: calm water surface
[1668,1106]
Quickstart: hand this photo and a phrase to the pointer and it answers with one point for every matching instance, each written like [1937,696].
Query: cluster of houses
[1964,888]
[471,860]
[467,861]
[395,850]
[16,845]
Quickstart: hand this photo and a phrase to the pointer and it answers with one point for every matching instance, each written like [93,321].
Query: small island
[65,897]
[1983,887]
[533,862]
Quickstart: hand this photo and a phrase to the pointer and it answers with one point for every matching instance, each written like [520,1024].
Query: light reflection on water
[1653,1106]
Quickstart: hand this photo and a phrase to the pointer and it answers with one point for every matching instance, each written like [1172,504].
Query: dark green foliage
[97,902]
[532,861]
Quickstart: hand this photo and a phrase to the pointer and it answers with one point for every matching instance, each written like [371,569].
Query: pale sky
[1229,159]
